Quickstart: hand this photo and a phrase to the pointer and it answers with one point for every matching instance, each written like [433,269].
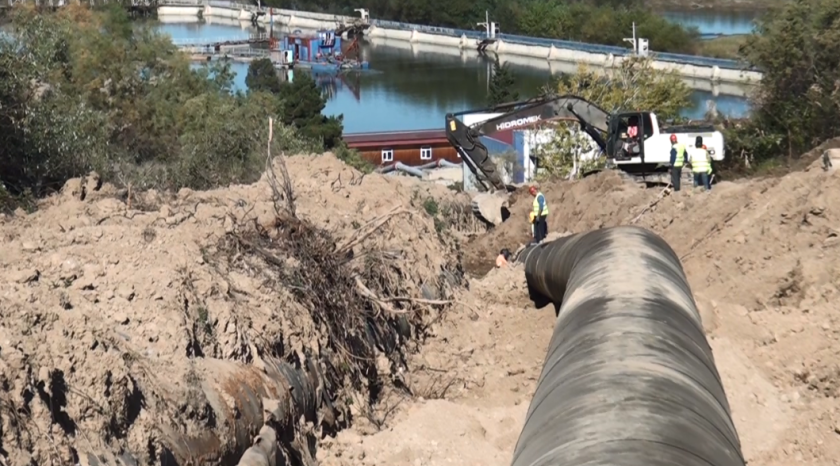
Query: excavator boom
[593,120]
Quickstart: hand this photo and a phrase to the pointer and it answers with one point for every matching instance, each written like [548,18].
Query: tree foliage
[797,105]
[502,84]
[301,103]
[593,21]
[262,76]
[302,108]
[634,85]
[82,91]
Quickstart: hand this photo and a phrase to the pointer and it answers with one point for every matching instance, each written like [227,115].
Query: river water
[414,86]
[715,23]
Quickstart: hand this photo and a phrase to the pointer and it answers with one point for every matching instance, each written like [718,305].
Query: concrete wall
[549,50]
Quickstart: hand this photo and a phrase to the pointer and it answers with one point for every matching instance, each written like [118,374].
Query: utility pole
[489,27]
[633,40]
[641,47]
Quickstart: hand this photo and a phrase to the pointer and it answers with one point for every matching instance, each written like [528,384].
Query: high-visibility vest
[680,160]
[699,158]
[537,205]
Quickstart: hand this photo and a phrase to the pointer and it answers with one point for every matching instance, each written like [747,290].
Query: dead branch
[432,302]
[715,228]
[665,192]
[278,192]
[369,228]
[365,292]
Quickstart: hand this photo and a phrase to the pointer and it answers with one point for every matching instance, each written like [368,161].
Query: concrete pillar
[715,88]
[552,53]
[499,46]
[413,37]
[464,44]
[715,74]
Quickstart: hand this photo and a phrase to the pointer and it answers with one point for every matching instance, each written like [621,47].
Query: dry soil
[94,289]
[761,257]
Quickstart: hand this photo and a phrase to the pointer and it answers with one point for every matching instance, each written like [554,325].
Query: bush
[797,105]
[82,91]
[634,85]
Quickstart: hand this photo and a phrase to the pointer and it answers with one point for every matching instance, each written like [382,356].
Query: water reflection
[414,86]
[715,22]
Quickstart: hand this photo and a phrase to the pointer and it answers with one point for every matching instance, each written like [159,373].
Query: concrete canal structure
[507,45]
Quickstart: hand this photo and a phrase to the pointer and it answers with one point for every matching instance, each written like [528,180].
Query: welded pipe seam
[629,378]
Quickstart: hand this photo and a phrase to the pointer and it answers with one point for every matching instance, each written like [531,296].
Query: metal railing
[221,40]
[244,52]
[61,3]
[204,41]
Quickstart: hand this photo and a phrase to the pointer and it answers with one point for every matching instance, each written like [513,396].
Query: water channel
[710,22]
[414,86]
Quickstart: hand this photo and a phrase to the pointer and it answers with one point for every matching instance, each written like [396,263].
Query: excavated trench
[629,377]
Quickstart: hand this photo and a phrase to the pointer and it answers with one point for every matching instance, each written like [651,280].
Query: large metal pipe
[629,378]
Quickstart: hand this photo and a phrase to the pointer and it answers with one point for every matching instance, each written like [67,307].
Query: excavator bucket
[491,207]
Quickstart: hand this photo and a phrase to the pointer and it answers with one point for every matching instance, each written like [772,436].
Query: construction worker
[678,154]
[531,218]
[698,156]
[503,258]
[540,212]
[709,182]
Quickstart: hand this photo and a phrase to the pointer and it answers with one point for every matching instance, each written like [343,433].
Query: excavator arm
[593,120]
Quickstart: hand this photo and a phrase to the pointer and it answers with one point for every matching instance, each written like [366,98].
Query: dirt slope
[123,330]
[144,329]
[761,258]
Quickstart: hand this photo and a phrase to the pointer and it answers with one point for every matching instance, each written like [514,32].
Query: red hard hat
[673,138]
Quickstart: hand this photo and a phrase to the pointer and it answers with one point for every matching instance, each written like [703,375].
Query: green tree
[633,85]
[302,107]
[502,84]
[797,105]
[83,90]
[262,76]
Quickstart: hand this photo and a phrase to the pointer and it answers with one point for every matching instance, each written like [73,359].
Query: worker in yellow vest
[677,161]
[700,163]
[540,212]
[531,218]
[709,184]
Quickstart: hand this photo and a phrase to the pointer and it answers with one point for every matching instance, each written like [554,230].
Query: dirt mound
[599,201]
[760,256]
[173,329]
[158,328]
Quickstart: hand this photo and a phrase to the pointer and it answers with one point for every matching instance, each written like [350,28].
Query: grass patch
[722,47]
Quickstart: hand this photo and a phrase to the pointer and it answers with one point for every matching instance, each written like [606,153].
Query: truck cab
[636,138]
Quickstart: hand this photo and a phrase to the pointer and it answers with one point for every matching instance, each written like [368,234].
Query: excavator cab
[627,134]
